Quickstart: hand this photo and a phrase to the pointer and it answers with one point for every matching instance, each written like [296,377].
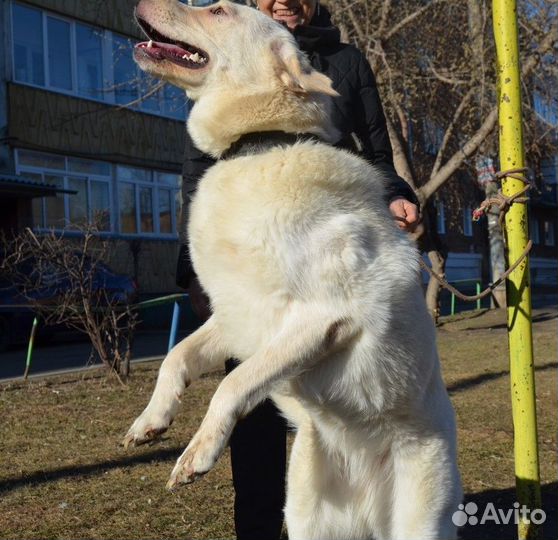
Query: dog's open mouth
[160,47]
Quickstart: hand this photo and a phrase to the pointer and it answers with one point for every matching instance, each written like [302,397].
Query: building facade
[77,116]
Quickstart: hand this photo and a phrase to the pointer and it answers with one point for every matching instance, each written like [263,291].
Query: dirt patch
[64,475]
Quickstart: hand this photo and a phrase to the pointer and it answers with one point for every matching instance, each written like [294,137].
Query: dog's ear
[298,78]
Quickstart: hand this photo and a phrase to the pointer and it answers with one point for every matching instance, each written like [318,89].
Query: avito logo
[468,514]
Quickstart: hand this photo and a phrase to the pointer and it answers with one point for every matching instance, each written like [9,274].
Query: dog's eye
[218,11]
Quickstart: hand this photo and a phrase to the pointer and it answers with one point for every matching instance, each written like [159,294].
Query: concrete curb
[66,371]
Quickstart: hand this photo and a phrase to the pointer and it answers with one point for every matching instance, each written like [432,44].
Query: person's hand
[198,300]
[405,212]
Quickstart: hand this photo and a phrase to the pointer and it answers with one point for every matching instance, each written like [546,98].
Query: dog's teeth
[195,57]
[150,44]
[184,57]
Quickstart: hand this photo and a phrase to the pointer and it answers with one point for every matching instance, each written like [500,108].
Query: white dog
[312,287]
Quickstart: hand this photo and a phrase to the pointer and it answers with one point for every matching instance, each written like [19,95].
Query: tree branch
[410,18]
[450,129]
[386,7]
[444,78]
[472,145]
[400,161]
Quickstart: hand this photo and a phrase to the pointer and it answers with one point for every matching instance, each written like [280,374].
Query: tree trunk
[497,252]
[431,244]
[124,366]
[125,348]
[438,263]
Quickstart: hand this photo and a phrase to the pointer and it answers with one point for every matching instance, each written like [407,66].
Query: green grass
[64,475]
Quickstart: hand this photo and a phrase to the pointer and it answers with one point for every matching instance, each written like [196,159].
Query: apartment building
[84,135]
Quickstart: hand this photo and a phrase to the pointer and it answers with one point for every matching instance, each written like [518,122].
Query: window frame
[155,185]
[73,76]
[113,183]
[107,65]
[66,174]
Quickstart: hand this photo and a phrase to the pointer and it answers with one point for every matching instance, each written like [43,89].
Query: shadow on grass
[91,469]
[540,317]
[503,499]
[469,316]
[545,316]
[470,382]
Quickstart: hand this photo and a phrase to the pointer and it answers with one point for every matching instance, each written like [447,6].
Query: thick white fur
[315,290]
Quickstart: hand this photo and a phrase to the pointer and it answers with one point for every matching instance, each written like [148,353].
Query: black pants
[259,456]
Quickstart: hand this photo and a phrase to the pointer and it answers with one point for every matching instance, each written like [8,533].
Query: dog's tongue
[169,51]
[168,47]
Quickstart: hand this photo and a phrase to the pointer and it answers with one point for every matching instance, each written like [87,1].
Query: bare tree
[63,279]
[435,66]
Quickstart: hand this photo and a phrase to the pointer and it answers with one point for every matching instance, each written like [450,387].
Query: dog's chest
[234,235]
[238,235]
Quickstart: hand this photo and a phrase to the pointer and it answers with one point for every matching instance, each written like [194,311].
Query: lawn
[63,474]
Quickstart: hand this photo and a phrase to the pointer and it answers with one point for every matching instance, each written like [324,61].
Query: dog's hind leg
[427,488]
[307,334]
[198,353]
[316,502]
[327,499]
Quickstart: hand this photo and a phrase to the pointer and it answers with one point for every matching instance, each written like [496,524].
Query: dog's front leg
[307,335]
[193,356]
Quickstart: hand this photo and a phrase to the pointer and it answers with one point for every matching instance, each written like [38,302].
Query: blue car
[16,310]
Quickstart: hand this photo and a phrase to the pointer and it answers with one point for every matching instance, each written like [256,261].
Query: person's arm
[371,127]
[372,132]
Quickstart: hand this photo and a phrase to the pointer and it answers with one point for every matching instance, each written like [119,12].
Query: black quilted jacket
[357,111]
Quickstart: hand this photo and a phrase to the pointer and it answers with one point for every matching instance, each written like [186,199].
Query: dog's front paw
[148,427]
[198,458]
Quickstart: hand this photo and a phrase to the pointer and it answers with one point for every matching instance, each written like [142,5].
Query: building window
[66,56]
[89,54]
[90,179]
[467,221]
[59,59]
[549,239]
[27,34]
[128,200]
[148,201]
[534,230]
[128,217]
[125,71]
[440,217]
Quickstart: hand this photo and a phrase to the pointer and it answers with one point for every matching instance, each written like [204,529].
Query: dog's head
[243,70]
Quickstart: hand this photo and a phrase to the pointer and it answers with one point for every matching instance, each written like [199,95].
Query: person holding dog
[258,443]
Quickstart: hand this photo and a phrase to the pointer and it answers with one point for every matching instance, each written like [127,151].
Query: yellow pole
[517,284]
